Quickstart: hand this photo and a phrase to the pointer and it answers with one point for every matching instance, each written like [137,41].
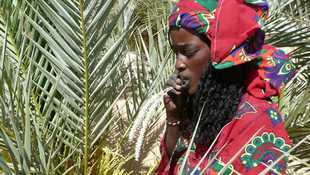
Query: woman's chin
[191,91]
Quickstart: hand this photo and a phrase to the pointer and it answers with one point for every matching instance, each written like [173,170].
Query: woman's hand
[174,101]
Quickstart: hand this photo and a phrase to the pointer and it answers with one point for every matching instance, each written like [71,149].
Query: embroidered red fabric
[254,139]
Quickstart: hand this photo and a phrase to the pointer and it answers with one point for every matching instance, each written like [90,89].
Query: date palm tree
[61,65]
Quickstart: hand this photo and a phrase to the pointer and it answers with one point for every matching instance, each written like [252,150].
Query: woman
[222,87]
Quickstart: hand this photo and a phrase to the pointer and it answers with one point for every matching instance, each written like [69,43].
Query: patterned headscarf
[234,28]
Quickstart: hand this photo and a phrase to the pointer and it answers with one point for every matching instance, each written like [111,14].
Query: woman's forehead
[182,37]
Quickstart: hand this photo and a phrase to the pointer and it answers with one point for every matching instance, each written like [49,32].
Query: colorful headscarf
[234,28]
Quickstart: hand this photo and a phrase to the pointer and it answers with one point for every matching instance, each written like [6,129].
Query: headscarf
[235,29]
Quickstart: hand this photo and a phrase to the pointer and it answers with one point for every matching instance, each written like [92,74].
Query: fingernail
[166,100]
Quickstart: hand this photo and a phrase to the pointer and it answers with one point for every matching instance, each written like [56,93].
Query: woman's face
[192,56]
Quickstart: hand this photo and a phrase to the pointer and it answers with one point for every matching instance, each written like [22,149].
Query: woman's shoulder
[254,138]
[254,118]
[258,114]
[254,115]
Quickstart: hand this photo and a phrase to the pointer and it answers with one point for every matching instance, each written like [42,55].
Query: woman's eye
[189,53]
[186,51]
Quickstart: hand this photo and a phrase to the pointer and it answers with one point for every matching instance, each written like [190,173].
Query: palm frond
[56,74]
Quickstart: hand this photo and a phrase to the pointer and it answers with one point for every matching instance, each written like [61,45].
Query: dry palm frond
[142,121]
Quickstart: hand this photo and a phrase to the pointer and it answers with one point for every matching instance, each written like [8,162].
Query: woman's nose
[179,64]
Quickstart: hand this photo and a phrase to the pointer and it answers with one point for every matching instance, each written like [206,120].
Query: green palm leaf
[68,54]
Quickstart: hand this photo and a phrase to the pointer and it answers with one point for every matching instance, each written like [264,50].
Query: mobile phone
[172,95]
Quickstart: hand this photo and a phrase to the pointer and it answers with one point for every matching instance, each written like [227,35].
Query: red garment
[227,23]
[234,29]
[255,138]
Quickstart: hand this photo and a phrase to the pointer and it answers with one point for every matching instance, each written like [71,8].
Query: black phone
[172,95]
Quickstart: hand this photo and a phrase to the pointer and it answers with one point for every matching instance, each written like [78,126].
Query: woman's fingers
[169,104]
[175,83]
[174,91]
[174,97]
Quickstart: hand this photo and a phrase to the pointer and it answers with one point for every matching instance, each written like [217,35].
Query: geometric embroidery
[244,108]
[274,116]
[265,149]
[218,165]
[280,71]
[188,169]
[181,145]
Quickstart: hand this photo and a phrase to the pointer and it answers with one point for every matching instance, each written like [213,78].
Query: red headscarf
[234,28]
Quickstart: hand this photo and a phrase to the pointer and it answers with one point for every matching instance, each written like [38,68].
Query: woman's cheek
[194,82]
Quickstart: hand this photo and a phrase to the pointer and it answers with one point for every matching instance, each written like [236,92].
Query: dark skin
[192,56]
